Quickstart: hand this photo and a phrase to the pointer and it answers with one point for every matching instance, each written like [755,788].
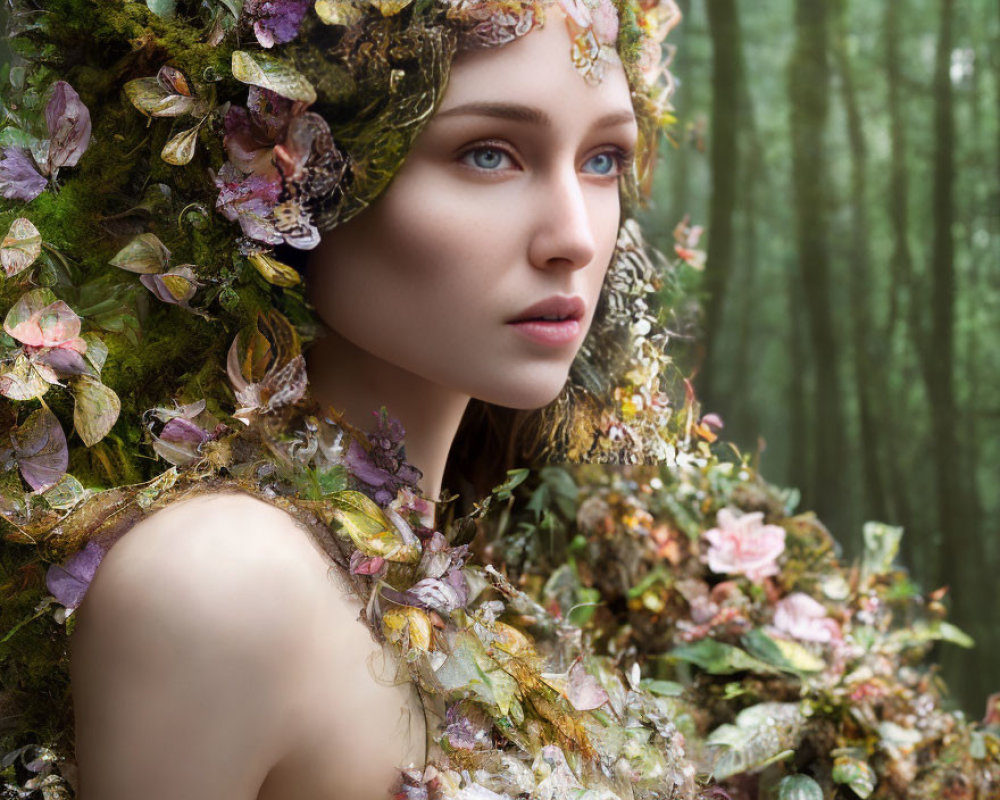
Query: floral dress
[519,704]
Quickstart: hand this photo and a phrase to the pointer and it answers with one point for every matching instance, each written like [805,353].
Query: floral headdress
[169,153]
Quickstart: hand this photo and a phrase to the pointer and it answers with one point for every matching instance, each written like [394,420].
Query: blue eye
[486,158]
[607,163]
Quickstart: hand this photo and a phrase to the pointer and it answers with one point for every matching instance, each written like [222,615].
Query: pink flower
[743,545]
[802,618]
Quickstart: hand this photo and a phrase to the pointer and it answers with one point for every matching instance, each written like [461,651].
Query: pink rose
[743,545]
[802,618]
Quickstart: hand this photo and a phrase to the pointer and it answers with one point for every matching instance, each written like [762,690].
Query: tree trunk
[867,351]
[723,26]
[678,164]
[940,353]
[808,89]
[903,283]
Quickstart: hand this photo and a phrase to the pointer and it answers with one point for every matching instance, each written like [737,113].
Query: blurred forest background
[844,158]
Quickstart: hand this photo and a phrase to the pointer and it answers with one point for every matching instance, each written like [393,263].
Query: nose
[563,236]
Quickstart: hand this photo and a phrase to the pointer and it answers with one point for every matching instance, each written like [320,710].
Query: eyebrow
[529,114]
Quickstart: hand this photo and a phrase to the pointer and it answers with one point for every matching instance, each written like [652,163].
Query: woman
[217,654]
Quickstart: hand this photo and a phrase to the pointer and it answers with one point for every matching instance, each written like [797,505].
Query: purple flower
[19,179]
[383,470]
[275,21]
[69,583]
[249,200]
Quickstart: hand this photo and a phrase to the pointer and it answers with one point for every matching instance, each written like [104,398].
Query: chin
[526,397]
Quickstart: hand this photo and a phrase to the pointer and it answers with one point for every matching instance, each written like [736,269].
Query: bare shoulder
[185,642]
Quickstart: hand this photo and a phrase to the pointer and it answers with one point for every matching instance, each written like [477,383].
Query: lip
[566,308]
[561,331]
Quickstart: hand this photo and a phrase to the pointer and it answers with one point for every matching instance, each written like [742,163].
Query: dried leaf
[23,380]
[369,529]
[68,121]
[153,99]
[96,354]
[267,72]
[39,319]
[273,271]
[40,449]
[65,361]
[69,582]
[177,286]
[179,150]
[470,668]
[173,80]
[145,254]
[19,177]
[338,12]
[409,626]
[65,494]
[583,691]
[389,8]
[21,246]
[96,410]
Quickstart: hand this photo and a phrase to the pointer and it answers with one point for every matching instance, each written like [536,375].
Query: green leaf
[852,770]
[717,658]
[799,787]
[587,600]
[319,483]
[936,631]
[162,8]
[662,688]
[785,654]
[881,548]
[762,734]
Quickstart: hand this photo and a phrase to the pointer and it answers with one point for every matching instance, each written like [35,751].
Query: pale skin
[218,655]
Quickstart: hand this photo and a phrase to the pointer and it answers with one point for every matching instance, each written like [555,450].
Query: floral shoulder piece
[797,674]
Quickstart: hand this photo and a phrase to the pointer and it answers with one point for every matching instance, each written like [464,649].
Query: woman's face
[506,210]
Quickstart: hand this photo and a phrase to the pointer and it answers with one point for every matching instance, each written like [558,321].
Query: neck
[357,383]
